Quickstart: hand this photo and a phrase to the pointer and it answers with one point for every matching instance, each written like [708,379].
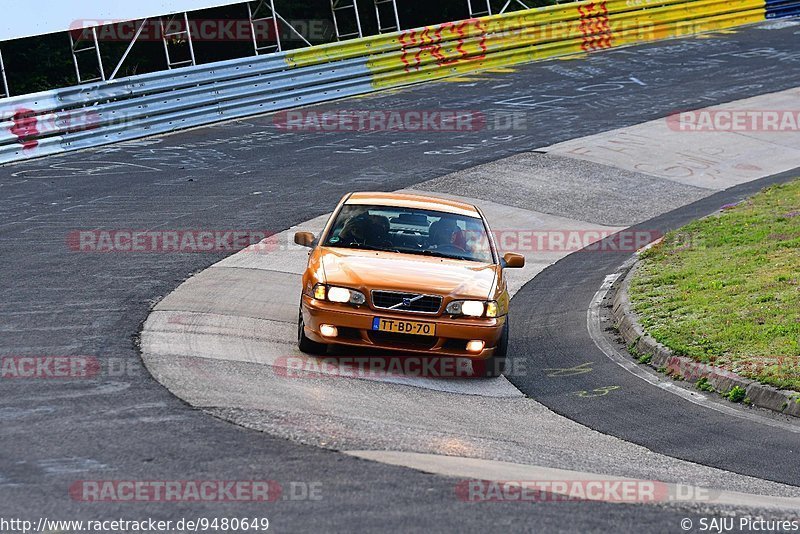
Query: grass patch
[725,290]
[704,385]
[736,394]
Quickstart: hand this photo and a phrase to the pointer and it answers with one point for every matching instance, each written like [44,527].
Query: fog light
[475,345]
[331,331]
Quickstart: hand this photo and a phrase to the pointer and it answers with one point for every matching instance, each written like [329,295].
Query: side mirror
[304,239]
[513,261]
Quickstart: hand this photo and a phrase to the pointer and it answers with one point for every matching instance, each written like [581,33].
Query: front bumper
[355,329]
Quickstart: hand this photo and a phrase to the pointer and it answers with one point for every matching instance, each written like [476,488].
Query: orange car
[406,272]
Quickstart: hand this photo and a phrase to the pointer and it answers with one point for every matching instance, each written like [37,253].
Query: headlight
[472,308]
[339,294]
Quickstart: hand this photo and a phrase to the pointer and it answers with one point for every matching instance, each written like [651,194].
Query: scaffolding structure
[520,3]
[263,12]
[389,22]
[4,92]
[78,47]
[174,34]
[128,50]
[387,17]
[338,9]
[265,23]
[485,9]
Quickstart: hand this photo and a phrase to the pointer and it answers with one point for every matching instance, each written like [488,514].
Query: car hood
[366,270]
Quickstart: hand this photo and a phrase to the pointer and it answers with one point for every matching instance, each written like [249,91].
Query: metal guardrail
[782,8]
[139,106]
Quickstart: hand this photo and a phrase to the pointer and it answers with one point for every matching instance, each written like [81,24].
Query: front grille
[392,300]
[401,341]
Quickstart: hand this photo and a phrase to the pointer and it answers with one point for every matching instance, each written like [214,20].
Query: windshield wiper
[426,252]
[367,247]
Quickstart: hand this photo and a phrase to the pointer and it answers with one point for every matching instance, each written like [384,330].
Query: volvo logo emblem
[405,302]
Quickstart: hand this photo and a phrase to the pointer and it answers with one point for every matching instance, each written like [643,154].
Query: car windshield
[410,231]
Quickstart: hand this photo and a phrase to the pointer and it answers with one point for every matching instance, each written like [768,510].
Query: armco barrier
[128,108]
[782,8]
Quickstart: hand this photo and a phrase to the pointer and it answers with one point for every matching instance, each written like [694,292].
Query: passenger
[365,229]
[356,230]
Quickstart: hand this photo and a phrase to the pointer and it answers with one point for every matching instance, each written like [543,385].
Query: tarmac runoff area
[224,341]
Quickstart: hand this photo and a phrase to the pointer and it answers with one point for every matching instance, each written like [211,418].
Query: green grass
[737,394]
[725,290]
[703,385]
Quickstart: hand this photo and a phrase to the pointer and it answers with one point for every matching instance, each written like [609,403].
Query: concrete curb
[639,342]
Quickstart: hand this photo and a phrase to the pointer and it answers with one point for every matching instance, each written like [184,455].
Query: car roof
[406,200]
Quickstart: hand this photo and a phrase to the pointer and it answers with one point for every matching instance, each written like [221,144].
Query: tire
[303,343]
[495,365]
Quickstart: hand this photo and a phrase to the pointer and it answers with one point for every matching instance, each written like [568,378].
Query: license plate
[403,327]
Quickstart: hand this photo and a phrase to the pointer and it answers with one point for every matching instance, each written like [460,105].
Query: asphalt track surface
[248,174]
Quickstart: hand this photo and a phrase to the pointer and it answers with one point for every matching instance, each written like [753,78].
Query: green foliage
[725,290]
[704,385]
[736,394]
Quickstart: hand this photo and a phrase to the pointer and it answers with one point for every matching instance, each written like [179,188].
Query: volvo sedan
[406,272]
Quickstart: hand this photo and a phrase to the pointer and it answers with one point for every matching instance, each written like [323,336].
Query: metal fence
[105,112]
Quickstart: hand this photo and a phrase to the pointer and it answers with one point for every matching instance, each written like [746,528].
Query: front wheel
[495,365]
[303,343]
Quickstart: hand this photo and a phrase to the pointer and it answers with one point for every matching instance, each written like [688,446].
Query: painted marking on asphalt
[571,371]
[597,392]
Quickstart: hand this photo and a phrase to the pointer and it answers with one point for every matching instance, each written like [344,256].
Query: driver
[445,232]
